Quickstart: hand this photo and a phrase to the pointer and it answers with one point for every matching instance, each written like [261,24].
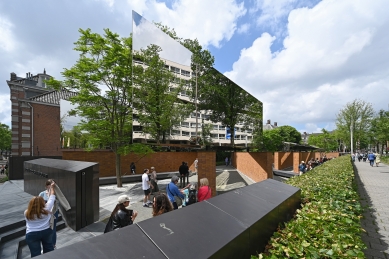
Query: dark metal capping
[236,224]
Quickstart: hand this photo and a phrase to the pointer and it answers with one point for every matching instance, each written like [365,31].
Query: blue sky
[303,59]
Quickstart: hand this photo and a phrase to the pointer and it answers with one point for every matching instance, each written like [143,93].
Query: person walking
[146,188]
[154,181]
[371,157]
[377,159]
[172,191]
[184,172]
[226,160]
[38,229]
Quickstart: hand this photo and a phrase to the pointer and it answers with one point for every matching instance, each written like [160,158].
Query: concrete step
[10,249]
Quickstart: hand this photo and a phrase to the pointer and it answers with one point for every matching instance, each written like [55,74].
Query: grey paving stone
[375,253]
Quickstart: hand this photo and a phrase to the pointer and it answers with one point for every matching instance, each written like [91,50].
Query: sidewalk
[373,186]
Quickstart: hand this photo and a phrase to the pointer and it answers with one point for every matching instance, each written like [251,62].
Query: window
[175,70]
[222,127]
[138,129]
[249,130]
[185,124]
[222,136]
[206,117]
[249,137]
[185,133]
[215,126]
[175,132]
[193,125]
[214,135]
[193,115]
[237,136]
[185,73]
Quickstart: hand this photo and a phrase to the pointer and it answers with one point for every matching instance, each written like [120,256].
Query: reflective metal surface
[78,181]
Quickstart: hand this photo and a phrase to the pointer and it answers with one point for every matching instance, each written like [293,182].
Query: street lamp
[197,119]
[351,136]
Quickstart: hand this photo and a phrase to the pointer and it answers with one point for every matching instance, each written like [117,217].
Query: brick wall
[162,161]
[283,160]
[256,165]
[207,169]
[46,130]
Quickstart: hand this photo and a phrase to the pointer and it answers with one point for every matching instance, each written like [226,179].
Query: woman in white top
[38,230]
[45,195]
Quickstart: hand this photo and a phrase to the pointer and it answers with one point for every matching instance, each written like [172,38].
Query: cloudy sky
[303,59]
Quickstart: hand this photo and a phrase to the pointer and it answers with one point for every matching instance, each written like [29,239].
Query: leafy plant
[328,223]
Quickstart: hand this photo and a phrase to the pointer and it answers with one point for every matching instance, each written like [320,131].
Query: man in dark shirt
[184,172]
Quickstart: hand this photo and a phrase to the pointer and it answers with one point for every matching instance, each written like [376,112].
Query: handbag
[109,226]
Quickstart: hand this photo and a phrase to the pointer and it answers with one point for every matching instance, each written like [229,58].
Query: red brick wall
[283,160]
[207,169]
[256,165]
[162,161]
[46,130]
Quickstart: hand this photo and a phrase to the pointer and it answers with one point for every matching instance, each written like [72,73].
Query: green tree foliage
[357,115]
[102,77]
[289,134]
[325,140]
[158,108]
[5,137]
[271,141]
[380,129]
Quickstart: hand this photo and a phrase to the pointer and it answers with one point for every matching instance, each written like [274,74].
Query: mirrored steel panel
[78,181]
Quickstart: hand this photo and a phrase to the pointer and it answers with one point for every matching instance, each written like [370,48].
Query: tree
[380,129]
[326,141]
[357,116]
[289,134]
[271,140]
[102,78]
[158,108]
[5,137]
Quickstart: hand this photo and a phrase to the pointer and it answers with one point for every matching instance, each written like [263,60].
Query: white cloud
[7,41]
[5,110]
[333,54]
[211,22]
[244,28]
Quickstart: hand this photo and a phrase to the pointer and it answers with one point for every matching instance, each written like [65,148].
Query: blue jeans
[34,239]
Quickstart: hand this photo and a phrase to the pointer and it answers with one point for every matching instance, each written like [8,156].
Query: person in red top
[205,191]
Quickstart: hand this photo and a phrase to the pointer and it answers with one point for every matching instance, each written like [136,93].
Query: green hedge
[328,224]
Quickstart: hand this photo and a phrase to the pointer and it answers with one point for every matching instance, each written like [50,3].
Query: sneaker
[145,205]
[149,202]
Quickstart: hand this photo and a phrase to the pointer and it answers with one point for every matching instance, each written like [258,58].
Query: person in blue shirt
[172,190]
[371,158]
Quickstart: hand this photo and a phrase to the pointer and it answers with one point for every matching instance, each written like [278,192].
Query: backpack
[192,197]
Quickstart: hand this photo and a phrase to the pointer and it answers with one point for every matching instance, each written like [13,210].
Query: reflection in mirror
[221,104]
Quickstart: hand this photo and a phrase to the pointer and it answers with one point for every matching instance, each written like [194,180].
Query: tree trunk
[118,171]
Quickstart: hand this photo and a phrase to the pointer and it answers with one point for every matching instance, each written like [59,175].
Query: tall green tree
[380,129]
[270,141]
[158,108]
[289,134]
[5,137]
[102,78]
[355,116]
[325,140]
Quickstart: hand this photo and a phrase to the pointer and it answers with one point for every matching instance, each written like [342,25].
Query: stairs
[12,238]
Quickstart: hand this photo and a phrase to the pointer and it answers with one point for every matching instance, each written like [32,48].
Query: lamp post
[351,137]
[197,119]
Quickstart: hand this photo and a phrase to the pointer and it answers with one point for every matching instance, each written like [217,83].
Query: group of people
[41,219]
[371,157]
[312,163]
[162,203]
[42,211]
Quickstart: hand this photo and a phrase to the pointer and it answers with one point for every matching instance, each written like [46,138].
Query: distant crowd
[373,158]
[305,167]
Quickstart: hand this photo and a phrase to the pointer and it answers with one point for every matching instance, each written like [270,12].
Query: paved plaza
[373,183]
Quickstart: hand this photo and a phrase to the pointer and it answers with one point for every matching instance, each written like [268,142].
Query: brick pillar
[296,162]
[207,168]
[277,160]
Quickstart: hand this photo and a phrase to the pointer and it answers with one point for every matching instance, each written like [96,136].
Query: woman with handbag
[38,231]
[173,191]
[205,191]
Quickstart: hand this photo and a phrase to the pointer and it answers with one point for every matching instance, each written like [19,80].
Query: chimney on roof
[268,122]
[275,124]
[44,71]
[26,75]
[13,76]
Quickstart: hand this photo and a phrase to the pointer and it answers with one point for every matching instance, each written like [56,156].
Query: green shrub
[328,223]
